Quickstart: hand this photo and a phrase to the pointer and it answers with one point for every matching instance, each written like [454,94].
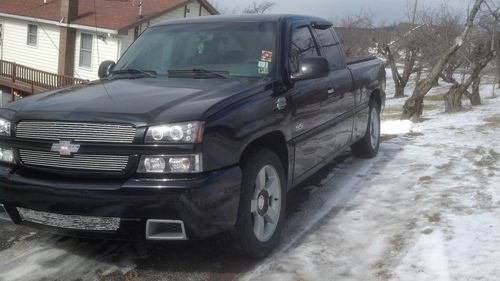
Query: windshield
[242,49]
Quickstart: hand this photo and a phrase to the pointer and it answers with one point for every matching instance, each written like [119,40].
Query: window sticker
[263,67]
[266,56]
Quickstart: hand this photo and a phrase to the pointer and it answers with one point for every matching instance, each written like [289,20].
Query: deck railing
[34,77]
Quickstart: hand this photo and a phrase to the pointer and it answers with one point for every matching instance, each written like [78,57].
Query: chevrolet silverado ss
[200,129]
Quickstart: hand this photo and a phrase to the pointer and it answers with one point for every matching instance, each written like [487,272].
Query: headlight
[189,132]
[170,164]
[4,127]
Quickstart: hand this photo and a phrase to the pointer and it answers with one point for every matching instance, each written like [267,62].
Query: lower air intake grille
[87,162]
[70,221]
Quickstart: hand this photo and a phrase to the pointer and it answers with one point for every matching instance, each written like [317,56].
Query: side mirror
[311,68]
[105,68]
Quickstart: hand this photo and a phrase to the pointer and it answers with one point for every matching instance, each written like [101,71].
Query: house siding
[125,41]
[193,11]
[175,14]
[44,56]
[108,50]
[205,12]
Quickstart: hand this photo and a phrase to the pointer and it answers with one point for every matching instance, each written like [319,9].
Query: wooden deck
[33,81]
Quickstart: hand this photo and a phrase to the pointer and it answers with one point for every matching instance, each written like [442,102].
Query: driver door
[309,100]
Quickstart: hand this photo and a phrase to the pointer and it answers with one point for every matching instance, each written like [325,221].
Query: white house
[72,37]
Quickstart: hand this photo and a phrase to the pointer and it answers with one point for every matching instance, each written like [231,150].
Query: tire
[259,209]
[368,146]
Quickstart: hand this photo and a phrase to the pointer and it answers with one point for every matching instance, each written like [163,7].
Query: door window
[303,46]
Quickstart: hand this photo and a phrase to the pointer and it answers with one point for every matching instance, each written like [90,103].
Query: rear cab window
[330,47]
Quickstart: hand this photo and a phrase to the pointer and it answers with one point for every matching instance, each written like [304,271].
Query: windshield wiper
[200,71]
[148,73]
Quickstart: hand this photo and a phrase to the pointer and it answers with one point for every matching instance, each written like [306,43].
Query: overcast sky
[388,11]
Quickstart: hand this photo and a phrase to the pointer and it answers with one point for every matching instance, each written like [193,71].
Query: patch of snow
[396,127]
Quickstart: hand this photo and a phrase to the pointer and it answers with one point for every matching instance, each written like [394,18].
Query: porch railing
[34,77]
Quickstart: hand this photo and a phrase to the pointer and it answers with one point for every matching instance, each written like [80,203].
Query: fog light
[170,164]
[7,155]
[154,164]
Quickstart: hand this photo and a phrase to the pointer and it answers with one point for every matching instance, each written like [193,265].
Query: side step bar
[165,230]
[3,214]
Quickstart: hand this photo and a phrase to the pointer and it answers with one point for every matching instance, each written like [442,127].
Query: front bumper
[206,205]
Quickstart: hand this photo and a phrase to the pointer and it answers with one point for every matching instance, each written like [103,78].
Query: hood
[138,101]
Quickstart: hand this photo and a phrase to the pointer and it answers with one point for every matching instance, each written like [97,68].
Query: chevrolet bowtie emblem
[65,148]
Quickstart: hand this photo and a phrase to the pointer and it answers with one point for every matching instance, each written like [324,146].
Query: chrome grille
[109,163]
[79,132]
[70,221]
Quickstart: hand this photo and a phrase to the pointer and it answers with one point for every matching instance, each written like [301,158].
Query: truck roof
[248,17]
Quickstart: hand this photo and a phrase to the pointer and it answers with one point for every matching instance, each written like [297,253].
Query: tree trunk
[415,102]
[400,91]
[398,85]
[497,62]
[475,97]
[419,75]
[400,81]
[453,99]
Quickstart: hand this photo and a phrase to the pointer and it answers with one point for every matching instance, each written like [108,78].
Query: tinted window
[331,48]
[303,46]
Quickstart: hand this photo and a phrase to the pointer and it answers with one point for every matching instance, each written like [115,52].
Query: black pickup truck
[200,129]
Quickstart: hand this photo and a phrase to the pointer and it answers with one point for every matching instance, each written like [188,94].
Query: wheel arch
[274,141]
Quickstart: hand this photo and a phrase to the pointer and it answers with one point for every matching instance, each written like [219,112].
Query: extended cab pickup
[200,129]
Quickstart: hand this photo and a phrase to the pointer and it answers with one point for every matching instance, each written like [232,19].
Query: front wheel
[262,206]
[368,146]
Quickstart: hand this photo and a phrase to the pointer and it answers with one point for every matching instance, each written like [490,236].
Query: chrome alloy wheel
[374,128]
[266,203]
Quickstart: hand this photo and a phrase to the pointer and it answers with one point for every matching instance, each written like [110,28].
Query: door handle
[331,91]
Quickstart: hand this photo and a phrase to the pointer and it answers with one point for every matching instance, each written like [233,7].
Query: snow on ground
[427,208]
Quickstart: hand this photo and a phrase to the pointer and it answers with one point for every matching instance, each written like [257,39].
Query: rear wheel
[368,146]
[262,206]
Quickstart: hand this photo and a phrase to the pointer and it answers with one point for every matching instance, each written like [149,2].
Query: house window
[86,50]
[32,35]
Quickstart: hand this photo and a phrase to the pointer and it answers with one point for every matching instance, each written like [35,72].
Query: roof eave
[211,9]
[60,24]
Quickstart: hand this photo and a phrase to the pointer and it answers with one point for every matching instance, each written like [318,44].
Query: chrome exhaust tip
[3,214]
[165,230]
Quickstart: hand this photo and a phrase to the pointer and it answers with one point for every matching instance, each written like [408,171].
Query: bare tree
[357,33]
[413,107]
[489,21]
[481,56]
[403,50]
[258,7]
